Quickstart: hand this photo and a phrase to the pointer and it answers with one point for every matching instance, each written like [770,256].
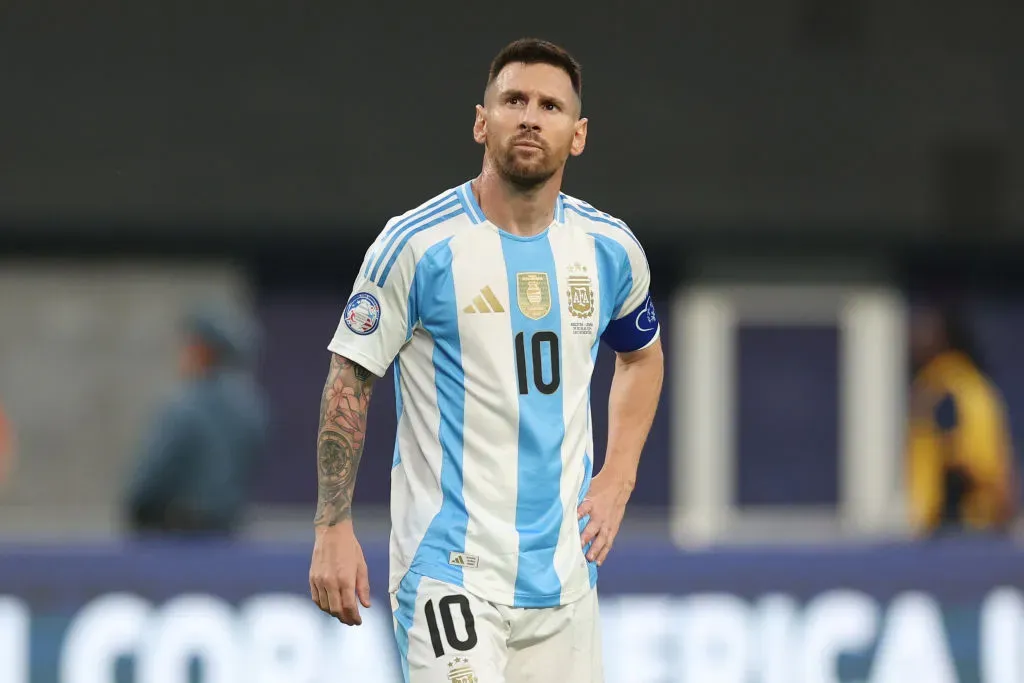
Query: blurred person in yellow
[192,475]
[960,468]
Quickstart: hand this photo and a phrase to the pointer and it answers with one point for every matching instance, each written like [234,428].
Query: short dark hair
[537,51]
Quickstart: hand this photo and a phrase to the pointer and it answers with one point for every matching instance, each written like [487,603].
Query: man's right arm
[342,433]
[373,328]
[338,578]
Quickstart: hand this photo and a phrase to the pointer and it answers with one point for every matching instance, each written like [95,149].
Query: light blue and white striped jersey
[495,337]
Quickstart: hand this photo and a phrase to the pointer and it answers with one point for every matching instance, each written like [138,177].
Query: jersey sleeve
[634,324]
[375,322]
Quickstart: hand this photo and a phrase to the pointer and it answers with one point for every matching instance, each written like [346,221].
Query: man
[493,297]
[961,474]
[194,470]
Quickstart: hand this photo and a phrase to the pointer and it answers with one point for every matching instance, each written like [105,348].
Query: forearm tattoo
[343,410]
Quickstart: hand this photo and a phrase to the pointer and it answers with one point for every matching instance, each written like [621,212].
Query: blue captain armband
[634,330]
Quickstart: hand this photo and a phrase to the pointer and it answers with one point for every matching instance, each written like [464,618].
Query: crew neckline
[477,217]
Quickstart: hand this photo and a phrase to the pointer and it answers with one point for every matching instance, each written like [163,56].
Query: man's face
[530,123]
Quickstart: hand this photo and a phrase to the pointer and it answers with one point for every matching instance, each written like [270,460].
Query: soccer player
[491,299]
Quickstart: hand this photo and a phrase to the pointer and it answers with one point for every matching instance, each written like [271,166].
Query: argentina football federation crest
[580,298]
[534,294]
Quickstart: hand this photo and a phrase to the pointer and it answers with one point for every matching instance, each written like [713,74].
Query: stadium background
[798,171]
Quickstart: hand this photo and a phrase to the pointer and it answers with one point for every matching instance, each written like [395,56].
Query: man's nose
[530,119]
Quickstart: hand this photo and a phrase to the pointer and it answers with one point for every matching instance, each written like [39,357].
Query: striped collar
[476,214]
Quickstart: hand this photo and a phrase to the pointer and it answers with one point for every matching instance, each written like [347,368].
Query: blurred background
[831,195]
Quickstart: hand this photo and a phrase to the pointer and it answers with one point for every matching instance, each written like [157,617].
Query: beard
[525,172]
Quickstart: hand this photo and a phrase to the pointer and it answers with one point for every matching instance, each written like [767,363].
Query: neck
[520,212]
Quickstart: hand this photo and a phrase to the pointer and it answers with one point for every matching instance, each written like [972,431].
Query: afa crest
[580,294]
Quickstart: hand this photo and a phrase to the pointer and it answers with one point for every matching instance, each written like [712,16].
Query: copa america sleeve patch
[362,313]
[634,330]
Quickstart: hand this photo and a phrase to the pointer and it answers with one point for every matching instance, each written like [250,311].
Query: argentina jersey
[494,339]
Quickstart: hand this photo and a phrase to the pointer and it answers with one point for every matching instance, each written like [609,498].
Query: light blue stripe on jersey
[541,427]
[439,316]
[403,232]
[398,225]
[404,616]
[614,276]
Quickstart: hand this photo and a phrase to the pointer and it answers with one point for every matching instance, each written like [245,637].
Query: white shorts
[446,635]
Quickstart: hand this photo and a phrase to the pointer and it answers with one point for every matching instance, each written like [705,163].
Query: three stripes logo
[485,302]
[463,560]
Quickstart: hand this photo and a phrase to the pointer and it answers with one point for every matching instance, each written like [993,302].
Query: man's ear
[579,139]
[480,125]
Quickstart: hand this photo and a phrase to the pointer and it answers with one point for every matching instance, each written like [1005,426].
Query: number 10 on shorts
[446,606]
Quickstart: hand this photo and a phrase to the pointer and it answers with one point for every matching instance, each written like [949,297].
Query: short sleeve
[375,322]
[635,324]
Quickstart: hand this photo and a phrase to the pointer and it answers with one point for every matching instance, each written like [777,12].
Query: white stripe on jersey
[490,486]
[415,495]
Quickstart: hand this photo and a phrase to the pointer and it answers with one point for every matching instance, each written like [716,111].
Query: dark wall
[260,117]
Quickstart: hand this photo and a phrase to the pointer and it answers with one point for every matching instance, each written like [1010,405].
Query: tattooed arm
[343,410]
[338,580]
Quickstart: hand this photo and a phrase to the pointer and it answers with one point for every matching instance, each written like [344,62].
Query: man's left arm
[636,387]
[632,403]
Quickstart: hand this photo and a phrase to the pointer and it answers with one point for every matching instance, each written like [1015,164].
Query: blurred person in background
[193,473]
[961,474]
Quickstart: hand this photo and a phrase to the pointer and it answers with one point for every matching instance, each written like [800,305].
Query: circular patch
[362,314]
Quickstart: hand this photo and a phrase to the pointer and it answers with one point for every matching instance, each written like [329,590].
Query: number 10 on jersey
[546,380]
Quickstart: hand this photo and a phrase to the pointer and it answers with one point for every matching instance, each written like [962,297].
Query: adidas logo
[485,302]
[463,560]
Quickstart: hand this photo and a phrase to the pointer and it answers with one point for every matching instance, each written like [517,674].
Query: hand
[605,504]
[337,574]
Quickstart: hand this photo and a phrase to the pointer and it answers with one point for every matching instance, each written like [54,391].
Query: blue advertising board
[943,612]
